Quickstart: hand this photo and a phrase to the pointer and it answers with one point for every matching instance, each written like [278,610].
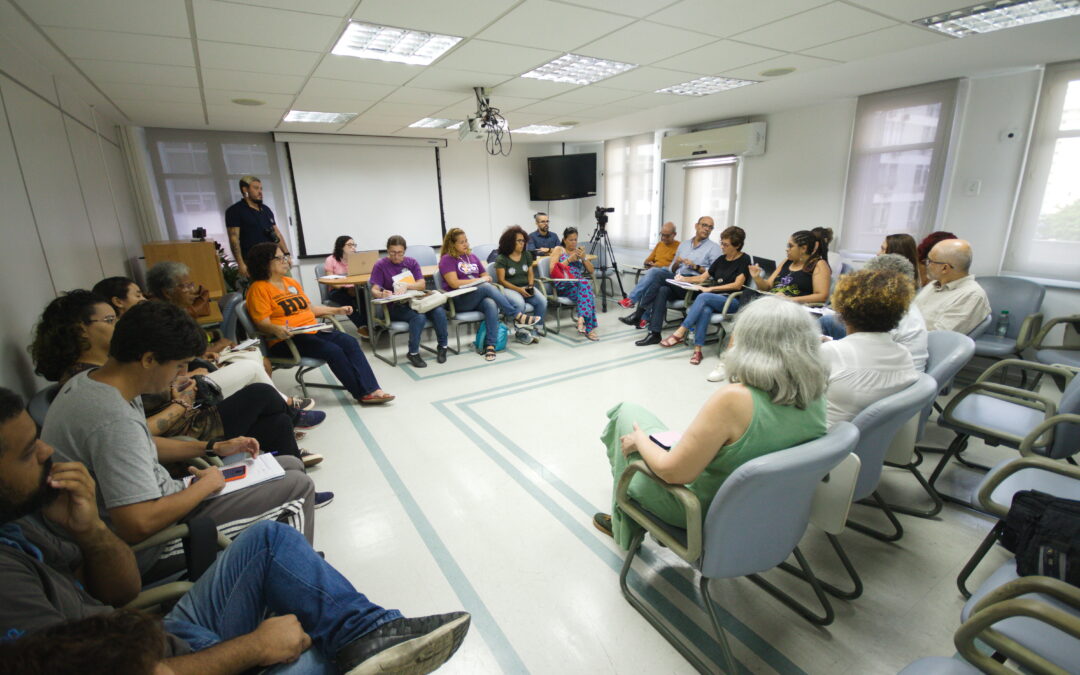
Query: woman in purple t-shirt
[395,274]
[458,267]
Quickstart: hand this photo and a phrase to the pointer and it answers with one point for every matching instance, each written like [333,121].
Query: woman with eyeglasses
[572,257]
[805,275]
[73,335]
[514,269]
[395,274]
[278,304]
[338,263]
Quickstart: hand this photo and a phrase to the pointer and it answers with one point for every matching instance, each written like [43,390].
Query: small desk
[362,279]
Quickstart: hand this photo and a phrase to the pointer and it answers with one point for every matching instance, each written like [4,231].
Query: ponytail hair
[817,247]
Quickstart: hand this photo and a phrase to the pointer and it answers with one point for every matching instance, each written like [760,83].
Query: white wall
[67,212]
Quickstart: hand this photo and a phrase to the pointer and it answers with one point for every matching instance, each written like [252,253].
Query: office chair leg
[836,592]
[954,449]
[898,529]
[800,609]
[721,637]
[937,505]
[660,626]
[977,557]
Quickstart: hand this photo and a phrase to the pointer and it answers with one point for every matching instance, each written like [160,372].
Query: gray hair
[776,348]
[891,262]
[165,276]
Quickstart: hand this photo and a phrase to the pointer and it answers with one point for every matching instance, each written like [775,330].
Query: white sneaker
[718,374]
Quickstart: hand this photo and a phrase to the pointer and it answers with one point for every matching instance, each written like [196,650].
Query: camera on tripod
[601,215]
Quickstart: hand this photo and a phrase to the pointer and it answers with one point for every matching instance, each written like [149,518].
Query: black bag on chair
[1044,533]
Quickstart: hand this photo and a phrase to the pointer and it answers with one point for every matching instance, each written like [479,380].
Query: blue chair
[39,403]
[228,304]
[382,323]
[775,492]
[482,251]
[457,319]
[1068,352]
[1022,299]
[423,255]
[984,325]
[556,302]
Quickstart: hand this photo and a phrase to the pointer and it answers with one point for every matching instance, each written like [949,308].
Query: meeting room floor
[476,488]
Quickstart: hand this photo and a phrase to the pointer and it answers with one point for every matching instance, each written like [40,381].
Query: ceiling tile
[113,46]
[644,42]
[318,86]
[544,24]
[505,103]
[437,97]
[322,103]
[638,8]
[909,10]
[155,113]
[459,110]
[593,95]
[607,111]
[338,8]
[529,88]
[153,17]
[255,59]
[727,17]
[718,57]
[894,39]
[449,79]
[265,117]
[224,97]
[495,57]
[426,133]
[799,62]
[138,73]
[151,92]
[817,26]
[437,16]
[651,100]
[372,125]
[310,127]
[338,67]
[523,119]
[262,82]
[552,108]
[224,22]
[648,79]
[414,111]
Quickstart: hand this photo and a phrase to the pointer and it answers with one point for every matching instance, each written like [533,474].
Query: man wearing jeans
[661,257]
[320,623]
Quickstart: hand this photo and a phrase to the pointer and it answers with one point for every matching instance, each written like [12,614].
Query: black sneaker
[416,361]
[323,498]
[440,354]
[650,339]
[405,646]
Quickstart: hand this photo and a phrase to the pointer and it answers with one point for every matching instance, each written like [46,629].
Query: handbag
[427,302]
[561,270]
[1044,533]
[207,392]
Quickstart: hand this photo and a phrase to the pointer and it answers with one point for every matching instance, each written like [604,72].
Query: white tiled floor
[476,487]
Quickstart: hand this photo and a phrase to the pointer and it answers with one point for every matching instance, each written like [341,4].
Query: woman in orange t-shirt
[277,304]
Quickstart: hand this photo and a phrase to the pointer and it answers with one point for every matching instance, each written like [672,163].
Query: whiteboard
[368,192]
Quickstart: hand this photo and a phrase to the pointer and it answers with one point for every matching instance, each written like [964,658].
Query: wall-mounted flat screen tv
[562,177]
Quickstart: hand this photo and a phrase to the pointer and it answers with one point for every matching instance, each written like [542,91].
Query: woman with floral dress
[572,259]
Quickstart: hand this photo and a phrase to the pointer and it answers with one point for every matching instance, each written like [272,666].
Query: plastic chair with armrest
[324,290]
[381,322]
[423,255]
[482,251]
[983,326]
[1023,300]
[457,319]
[776,492]
[228,304]
[1068,352]
[200,551]
[556,302]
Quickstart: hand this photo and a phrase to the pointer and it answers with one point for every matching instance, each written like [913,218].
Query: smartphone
[234,472]
[666,439]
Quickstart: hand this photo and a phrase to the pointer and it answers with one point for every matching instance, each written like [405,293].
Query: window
[897,162]
[1045,237]
[708,190]
[198,176]
[630,187]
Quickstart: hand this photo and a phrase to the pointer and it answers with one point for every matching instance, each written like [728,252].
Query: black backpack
[1044,533]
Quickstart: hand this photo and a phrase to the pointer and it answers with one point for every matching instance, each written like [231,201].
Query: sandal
[602,522]
[696,359]
[581,325]
[376,399]
[523,319]
[671,340]
[593,336]
[489,353]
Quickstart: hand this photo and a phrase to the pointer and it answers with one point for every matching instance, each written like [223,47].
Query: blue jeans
[270,569]
[833,327]
[655,275]
[705,305]
[489,300]
[400,311]
[538,302]
[342,353]
[341,296]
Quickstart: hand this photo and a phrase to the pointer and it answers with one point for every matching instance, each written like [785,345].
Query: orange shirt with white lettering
[291,306]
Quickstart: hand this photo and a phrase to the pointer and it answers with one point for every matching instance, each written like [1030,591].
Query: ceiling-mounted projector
[472,129]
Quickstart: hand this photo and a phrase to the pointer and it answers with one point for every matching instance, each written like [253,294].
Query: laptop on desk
[362,262]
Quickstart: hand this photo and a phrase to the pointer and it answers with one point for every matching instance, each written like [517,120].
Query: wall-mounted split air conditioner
[740,140]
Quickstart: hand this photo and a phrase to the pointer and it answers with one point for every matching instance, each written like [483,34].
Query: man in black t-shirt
[251,222]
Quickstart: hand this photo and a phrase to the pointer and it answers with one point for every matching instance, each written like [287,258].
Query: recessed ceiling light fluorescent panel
[987,17]
[319,117]
[386,43]
[541,129]
[703,86]
[577,69]
[435,123]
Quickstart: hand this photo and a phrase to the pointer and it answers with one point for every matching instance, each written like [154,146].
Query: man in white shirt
[952,300]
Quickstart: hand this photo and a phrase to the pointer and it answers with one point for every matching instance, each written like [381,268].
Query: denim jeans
[832,326]
[400,311]
[340,296]
[538,302]
[657,309]
[644,287]
[270,569]
[489,300]
[705,305]
[342,353]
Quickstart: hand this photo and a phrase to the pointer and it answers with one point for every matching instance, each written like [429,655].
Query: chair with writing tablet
[556,302]
[423,255]
[457,319]
[382,323]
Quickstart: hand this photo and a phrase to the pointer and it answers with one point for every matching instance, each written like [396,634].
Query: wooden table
[362,279]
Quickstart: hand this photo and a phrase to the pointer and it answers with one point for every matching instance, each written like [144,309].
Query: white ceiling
[181,63]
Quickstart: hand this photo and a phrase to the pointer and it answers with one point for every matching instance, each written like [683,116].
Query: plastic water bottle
[1002,327]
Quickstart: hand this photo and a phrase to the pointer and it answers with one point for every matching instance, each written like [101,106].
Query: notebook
[259,470]
[362,262]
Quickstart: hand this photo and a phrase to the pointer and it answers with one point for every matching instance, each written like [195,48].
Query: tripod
[600,239]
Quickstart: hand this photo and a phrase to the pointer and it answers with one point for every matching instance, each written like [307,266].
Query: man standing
[319,621]
[251,222]
[693,257]
[662,255]
[953,300]
[543,240]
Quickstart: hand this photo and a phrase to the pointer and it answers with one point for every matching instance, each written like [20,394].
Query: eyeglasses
[667,235]
[519,240]
[109,320]
[189,286]
[281,258]
[350,245]
[935,262]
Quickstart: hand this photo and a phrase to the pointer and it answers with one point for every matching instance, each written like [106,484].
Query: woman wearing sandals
[573,257]
[459,267]
[729,272]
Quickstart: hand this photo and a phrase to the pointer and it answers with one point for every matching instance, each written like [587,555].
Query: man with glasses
[662,255]
[251,222]
[952,300]
[543,240]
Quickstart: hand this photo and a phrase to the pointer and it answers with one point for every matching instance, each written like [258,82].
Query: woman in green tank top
[775,401]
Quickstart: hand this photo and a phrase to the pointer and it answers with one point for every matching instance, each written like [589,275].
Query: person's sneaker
[642,324]
[416,361]
[405,646]
[303,403]
[627,303]
[440,354]
[310,459]
[718,374]
[323,498]
[364,333]
[306,419]
[602,522]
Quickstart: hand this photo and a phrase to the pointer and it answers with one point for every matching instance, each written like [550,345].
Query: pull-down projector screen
[368,192]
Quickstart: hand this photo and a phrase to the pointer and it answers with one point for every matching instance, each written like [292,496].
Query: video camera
[601,215]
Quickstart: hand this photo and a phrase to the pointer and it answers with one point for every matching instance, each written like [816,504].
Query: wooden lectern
[201,258]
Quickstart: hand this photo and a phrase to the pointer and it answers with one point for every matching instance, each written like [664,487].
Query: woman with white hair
[775,401]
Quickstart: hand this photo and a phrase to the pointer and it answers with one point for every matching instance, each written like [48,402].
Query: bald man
[952,300]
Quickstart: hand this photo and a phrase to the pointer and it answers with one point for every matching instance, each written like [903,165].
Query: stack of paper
[259,470]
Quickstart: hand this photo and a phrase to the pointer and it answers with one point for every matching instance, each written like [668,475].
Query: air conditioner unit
[741,140]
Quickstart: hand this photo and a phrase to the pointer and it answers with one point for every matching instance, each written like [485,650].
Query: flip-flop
[581,325]
[593,336]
